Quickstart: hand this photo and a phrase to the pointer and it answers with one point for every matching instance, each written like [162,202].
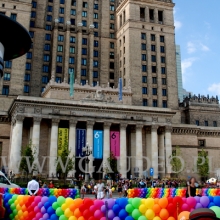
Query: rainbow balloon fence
[72,193]
[24,207]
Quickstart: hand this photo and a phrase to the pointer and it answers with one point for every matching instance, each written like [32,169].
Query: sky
[198,34]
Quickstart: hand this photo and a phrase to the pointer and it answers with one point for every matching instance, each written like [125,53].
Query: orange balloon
[171,218]
[77,213]
[163,202]
[81,218]
[164,214]
[156,201]
[156,208]
[78,202]
[72,207]
[184,215]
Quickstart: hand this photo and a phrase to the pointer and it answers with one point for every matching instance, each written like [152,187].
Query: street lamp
[87,151]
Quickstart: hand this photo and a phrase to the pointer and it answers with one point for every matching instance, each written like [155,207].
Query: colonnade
[157,145]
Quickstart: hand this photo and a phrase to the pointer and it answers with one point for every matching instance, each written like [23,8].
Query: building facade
[179,73]
[86,46]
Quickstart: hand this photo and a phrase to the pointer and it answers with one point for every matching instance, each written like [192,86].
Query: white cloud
[186,64]
[204,47]
[191,47]
[215,88]
[177,24]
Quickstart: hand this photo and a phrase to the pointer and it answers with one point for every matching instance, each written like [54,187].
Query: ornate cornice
[107,124]
[123,126]
[139,126]
[73,122]
[154,127]
[55,120]
[90,124]
[168,129]
[37,119]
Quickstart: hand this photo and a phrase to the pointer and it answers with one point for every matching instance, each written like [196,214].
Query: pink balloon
[103,218]
[184,200]
[192,210]
[191,202]
[98,214]
[36,209]
[98,203]
[185,207]
[37,199]
[92,208]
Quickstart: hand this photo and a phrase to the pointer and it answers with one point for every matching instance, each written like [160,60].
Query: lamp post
[87,151]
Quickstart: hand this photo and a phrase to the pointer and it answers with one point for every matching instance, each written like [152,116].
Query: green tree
[27,159]
[176,162]
[111,168]
[203,164]
[65,164]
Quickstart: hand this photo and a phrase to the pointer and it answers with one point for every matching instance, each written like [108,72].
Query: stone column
[72,143]
[36,136]
[139,150]
[91,50]
[106,150]
[156,15]
[89,139]
[123,151]
[168,148]
[67,52]
[148,148]
[154,150]
[147,19]
[53,147]
[161,161]
[79,53]
[16,142]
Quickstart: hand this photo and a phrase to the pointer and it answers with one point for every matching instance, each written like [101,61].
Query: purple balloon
[111,214]
[44,199]
[204,200]
[111,203]
[40,205]
[116,218]
[43,210]
[103,209]
[46,216]
[198,206]
[197,198]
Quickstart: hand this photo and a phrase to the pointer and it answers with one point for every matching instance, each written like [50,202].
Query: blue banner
[98,144]
[120,89]
[80,141]
[71,83]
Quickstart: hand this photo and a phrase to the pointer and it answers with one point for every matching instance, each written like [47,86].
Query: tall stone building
[68,85]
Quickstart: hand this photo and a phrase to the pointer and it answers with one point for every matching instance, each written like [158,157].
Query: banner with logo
[80,141]
[115,143]
[98,144]
[120,89]
[63,140]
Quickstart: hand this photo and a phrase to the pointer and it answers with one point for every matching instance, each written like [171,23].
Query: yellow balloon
[113,189]
[68,213]
[149,214]
[72,218]
[64,207]
[142,208]
[69,201]
[156,218]
[149,203]
[143,201]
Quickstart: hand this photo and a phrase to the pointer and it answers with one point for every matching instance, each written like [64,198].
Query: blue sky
[198,33]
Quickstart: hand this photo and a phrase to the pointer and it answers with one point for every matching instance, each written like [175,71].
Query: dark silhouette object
[202,214]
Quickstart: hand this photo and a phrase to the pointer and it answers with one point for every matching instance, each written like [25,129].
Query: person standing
[33,186]
[83,191]
[119,189]
[100,190]
[51,185]
[191,188]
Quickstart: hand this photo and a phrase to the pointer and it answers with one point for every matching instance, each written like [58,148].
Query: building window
[60,38]
[163,70]
[162,39]
[153,48]
[96,25]
[152,36]
[7,76]
[73,2]
[84,23]
[58,79]
[83,82]
[151,14]
[164,92]
[143,47]
[112,17]
[214,123]
[61,20]
[144,102]
[142,13]
[71,60]
[46,58]
[85,5]
[84,51]
[72,40]
[94,83]
[111,55]
[45,68]
[34,4]
[154,91]
[32,23]
[59,69]
[206,123]
[72,49]
[26,88]
[111,65]
[95,53]
[162,49]
[144,90]
[162,59]
[45,79]
[112,75]
[154,103]
[154,80]
[154,69]
[33,14]
[49,8]
[143,36]
[60,48]
[83,61]
[73,12]
[83,72]
[112,26]
[13,17]
[31,34]
[201,143]
[84,13]
[112,45]
[48,27]
[144,68]
[96,43]
[49,18]
[28,66]
[160,17]
[95,74]
[59,59]
[62,1]
[153,58]
[96,34]
[111,35]
[95,16]
[48,37]
[29,55]
[95,63]
[112,7]
[164,81]
[47,47]
[84,41]
[164,104]
[144,79]
[5,90]
[144,57]
[197,122]
[27,77]
[96,6]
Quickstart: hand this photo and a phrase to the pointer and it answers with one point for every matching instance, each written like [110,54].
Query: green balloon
[216,209]
[129,208]
[63,217]
[61,200]
[130,201]
[59,211]
[12,206]
[136,214]
[55,205]
[10,201]
[14,197]
[142,218]
[15,212]
[136,202]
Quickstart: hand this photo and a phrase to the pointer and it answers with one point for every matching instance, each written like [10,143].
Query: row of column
[158,147]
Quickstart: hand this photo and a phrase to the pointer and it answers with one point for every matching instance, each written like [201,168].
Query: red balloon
[82,208]
[92,209]
[170,200]
[92,218]
[171,208]
[177,201]
[88,202]
[87,214]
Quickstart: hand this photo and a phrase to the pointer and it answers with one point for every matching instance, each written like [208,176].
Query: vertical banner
[71,83]
[80,141]
[115,143]
[120,89]
[63,140]
[98,144]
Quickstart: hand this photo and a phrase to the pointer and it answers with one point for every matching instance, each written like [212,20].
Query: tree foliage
[203,164]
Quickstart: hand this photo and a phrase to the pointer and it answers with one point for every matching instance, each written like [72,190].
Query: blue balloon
[211,204]
[47,205]
[50,211]
[122,214]
[129,218]
[216,200]
[210,198]
[52,199]
[54,217]
[123,202]
[116,208]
